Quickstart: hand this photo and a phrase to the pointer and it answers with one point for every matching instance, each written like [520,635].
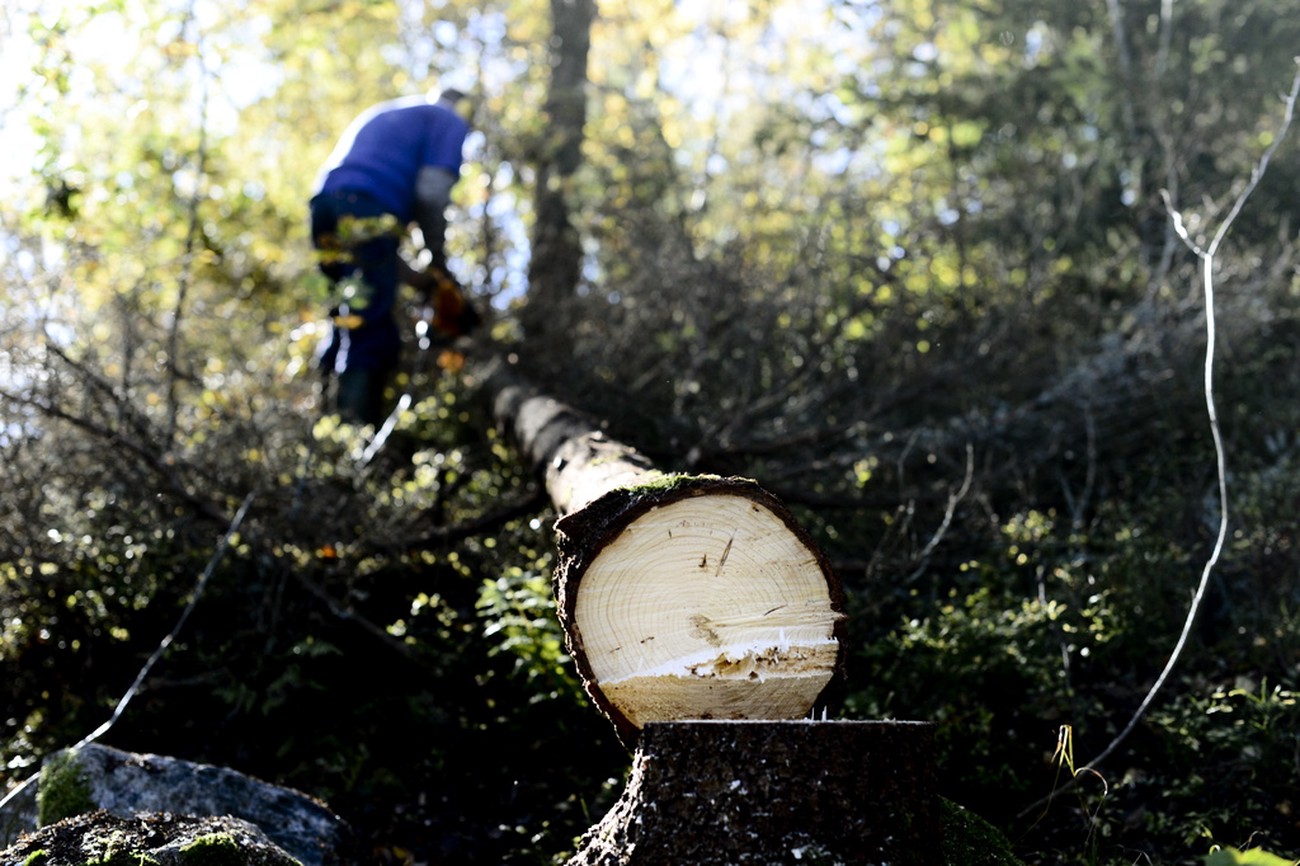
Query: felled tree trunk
[682,597]
[773,793]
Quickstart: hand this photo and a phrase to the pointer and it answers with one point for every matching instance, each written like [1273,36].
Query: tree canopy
[914,267]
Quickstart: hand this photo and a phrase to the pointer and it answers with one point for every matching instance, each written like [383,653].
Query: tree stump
[773,793]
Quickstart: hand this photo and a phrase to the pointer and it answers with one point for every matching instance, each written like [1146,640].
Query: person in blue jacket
[395,165]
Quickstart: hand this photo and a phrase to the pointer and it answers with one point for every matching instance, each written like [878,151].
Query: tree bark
[556,263]
[774,793]
[681,597]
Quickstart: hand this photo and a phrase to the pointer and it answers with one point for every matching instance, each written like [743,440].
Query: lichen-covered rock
[125,784]
[153,838]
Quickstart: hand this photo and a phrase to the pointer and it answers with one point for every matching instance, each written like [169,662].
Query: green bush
[1050,629]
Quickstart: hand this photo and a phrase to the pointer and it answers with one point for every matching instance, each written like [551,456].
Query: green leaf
[1253,857]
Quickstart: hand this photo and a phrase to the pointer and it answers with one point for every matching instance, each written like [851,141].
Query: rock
[127,784]
[969,840]
[154,838]
[18,811]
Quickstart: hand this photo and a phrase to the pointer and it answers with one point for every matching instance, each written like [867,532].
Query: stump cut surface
[706,602]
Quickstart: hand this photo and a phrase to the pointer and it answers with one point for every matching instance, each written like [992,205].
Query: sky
[694,68]
[705,73]
[111,40]
[17,57]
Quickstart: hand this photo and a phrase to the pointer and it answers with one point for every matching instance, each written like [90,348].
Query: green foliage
[1251,857]
[520,610]
[1056,625]
[993,670]
[1222,758]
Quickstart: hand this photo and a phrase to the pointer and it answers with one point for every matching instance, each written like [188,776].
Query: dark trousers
[356,244]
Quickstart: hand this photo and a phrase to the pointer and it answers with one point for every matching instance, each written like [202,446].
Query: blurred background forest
[909,264]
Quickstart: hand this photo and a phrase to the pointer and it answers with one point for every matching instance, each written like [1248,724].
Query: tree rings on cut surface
[696,598]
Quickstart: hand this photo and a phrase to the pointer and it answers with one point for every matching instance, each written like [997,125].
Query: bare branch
[954,499]
[1207,257]
[157,463]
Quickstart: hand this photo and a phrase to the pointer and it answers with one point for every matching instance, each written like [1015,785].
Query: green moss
[222,849]
[656,480]
[37,857]
[969,840]
[64,790]
[214,849]
[118,851]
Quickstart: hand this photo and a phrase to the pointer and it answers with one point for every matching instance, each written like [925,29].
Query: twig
[1207,276]
[166,642]
[348,613]
[954,499]
[1207,256]
[444,536]
[126,411]
[156,463]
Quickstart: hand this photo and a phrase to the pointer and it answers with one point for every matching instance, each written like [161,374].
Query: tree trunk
[556,263]
[681,597]
[773,793]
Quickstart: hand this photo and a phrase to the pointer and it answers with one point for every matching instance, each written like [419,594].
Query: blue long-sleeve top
[382,152]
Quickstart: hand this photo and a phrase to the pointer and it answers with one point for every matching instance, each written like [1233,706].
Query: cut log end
[703,601]
[676,697]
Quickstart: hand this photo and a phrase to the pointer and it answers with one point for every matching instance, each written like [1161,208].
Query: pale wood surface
[708,607]
[697,598]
